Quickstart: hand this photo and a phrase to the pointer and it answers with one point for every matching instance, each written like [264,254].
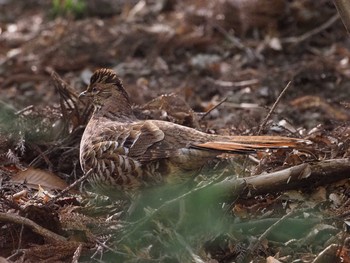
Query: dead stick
[296,177]
[13,218]
[263,124]
[305,175]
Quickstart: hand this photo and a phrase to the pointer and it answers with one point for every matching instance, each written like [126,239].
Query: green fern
[75,8]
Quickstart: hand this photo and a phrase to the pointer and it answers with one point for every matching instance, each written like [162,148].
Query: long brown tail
[249,144]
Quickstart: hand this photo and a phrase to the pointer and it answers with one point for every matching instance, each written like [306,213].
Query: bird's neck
[118,109]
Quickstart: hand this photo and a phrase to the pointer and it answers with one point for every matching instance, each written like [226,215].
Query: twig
[329,254]
[212,108]
[252,55]
[69,140]
[20,237]
[253,246]
[18,251]
[187,247]
[41,155]
[15,255]
[274,225]
[263,124]
[30,107]
[12,218]
[315,31]
[77,254]
[103,245]
[230,84]
[343,7]
[71,186]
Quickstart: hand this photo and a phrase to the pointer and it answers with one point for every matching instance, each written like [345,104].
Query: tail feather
[250,144]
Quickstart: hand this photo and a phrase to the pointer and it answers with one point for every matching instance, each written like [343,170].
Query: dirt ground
[217,66]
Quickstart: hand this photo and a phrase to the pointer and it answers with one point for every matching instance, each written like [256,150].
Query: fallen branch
[296,177]
[303,175]
[49,235]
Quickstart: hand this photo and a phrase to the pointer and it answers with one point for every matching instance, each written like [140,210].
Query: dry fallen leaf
[35,177]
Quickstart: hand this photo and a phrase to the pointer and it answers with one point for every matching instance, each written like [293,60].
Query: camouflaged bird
[127,154]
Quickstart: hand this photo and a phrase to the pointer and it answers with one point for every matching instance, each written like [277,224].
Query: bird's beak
[82,95]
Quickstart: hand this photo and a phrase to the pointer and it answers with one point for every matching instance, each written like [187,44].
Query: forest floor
[217,66]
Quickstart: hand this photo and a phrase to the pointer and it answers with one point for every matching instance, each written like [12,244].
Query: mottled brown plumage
[126,153]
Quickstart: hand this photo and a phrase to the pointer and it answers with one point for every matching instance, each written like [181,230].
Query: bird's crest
[105,76]
[108,76]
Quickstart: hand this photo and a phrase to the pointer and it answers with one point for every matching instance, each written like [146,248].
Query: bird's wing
[151,140]
[146,135]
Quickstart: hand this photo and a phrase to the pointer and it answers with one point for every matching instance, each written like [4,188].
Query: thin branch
[20,112]
[102,244]
[68,188]
[212,108]
[196,258]
[230,84]
[253,246]
[251,54]
[20,238]
[263,124]
[315,31]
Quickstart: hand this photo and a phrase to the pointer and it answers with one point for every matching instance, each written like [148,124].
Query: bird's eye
[94,90]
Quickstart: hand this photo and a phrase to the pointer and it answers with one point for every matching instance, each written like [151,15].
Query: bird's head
[105,86]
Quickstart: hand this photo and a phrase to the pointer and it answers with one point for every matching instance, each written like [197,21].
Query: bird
[126,154]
